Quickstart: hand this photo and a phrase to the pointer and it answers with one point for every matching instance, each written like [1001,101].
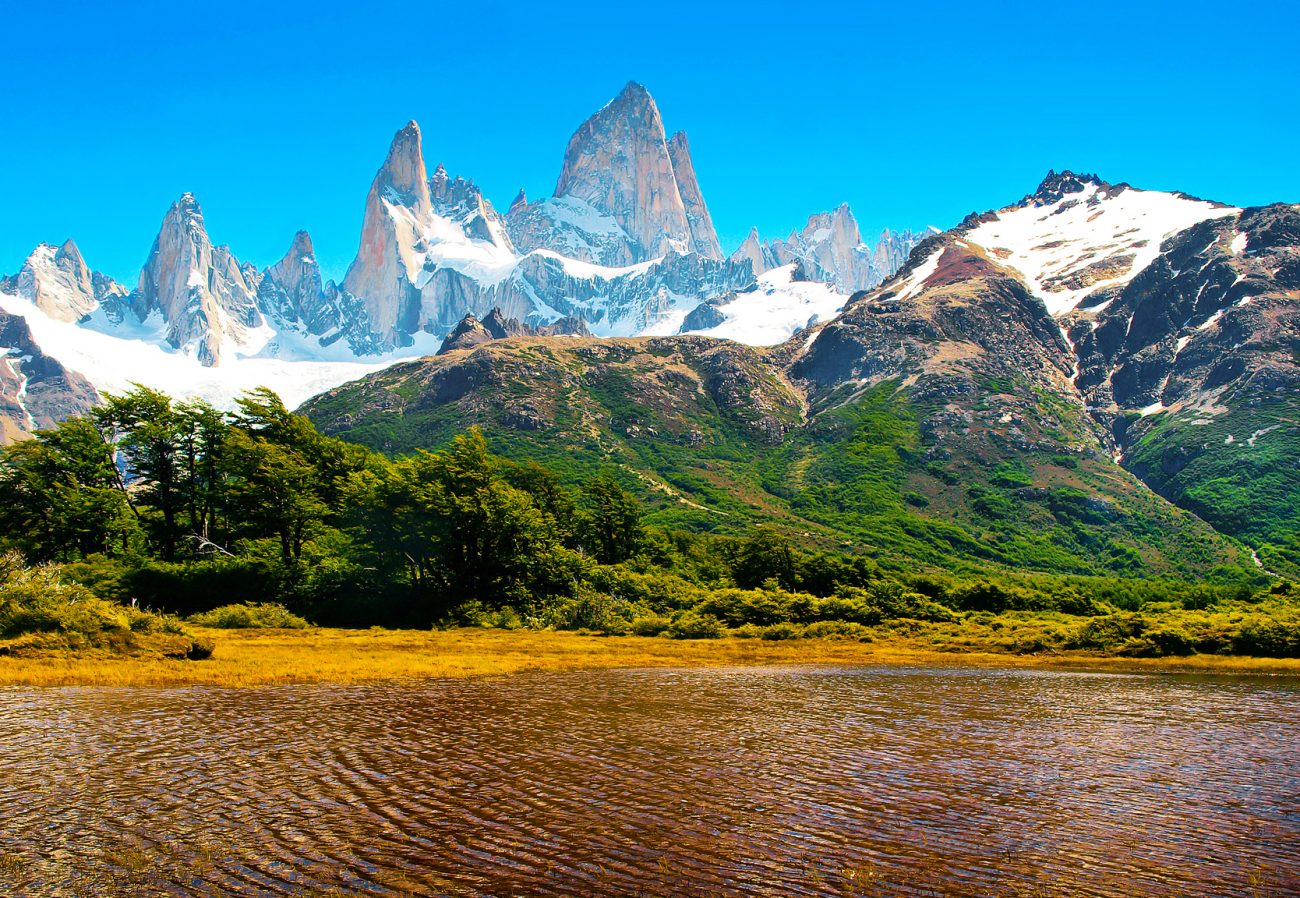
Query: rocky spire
[292,288]
[402,179]
[703,236]
[618,163]
[57,281]
[199,289]
[753,251]
[398,205]
[519,202]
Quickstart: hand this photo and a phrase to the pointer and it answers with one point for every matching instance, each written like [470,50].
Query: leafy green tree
[272,489]
[148,434]
[460,531]
[61,496]
[766,556]
[610,521]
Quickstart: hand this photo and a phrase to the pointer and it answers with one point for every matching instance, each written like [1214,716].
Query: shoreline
[246,658]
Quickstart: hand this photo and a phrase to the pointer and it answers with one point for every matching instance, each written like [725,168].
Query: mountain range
[1094,378]
[626,245]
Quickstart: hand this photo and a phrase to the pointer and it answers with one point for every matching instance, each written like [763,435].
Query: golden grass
[263,657]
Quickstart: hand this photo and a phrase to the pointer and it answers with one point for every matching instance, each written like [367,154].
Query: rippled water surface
[703,782]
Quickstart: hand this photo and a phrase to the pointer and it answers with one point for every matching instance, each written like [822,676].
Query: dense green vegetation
[180,508]
[41,610]
[1235,469]
[905,474]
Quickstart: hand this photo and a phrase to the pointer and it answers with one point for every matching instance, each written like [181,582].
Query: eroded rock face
[830,250]
[36,391]
[59,283]
[704,239]
[625,193]
[387,265]
[618,163]
[199,289]
[1214,308]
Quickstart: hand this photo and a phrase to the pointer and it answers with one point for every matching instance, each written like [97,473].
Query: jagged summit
[471,331]
[704,238]
[633,94]
[519,202]
[302,244]
[830,249]
[1055,186]
[618,163]
[403,179]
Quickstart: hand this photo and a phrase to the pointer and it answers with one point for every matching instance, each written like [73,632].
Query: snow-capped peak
[1076,235]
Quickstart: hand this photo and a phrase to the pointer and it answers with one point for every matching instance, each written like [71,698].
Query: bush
[777,632]
[250,615]
[650,625]
[837,629]
[591,610]
[1269,638]
[40,609]
[693,625]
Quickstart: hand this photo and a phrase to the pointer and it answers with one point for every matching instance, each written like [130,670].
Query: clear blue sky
[276,116]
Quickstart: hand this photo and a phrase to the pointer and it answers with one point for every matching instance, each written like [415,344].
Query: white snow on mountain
[114,362]
[1085,241]
[778,307]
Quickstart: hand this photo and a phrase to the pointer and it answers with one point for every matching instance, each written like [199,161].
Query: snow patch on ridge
[777,308]
[114,363]
[1055,246]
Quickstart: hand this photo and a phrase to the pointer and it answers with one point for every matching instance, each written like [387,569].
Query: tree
[272,489]
[457,528]
[148,432]
[610,521]
[766,555]
[61,496]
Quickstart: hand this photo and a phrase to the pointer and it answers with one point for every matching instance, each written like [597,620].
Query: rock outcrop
[471,331]
[618,163]
[36,390]
[58,282]
[388,263]
[625,193]
[198,289]
[704,239]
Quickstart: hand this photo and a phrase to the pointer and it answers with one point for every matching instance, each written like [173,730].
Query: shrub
[650,625]
[837,629]
[777,632]
[1269,638]
[40,610]
[250,615]
[693,625]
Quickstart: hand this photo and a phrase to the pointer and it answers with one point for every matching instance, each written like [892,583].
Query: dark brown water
[704,782]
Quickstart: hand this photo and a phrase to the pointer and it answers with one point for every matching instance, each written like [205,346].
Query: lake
[745,782]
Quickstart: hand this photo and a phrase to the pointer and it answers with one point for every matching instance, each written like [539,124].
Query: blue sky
[276,116]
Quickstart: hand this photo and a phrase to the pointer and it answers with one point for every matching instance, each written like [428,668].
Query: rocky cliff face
[830,250]
[36,391]
[618,163]
[388,262]
[198,289]
[496,326]
[58,282]
[704,239]
[626,194]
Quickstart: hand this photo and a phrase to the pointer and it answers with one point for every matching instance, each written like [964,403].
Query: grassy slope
[1237,470]
[858,477]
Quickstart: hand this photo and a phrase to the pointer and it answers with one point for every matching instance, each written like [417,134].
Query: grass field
[264,657]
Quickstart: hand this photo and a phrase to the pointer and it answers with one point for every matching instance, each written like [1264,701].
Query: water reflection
[737,782]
